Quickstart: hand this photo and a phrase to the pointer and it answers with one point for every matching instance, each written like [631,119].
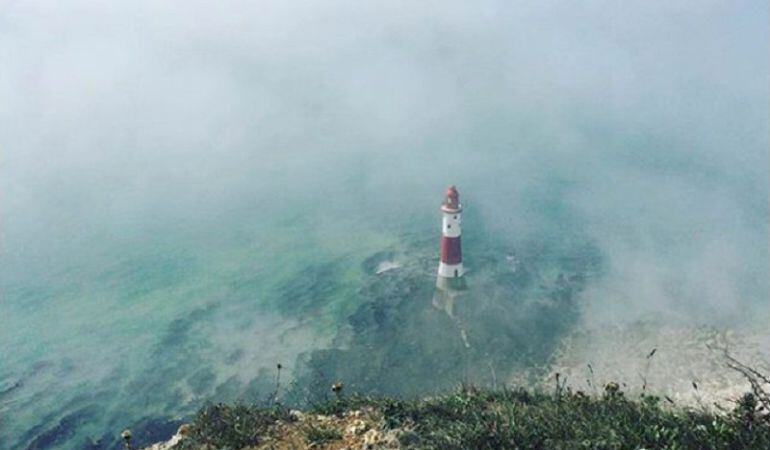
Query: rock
[356,428]
[372,439]
[296,415]
[181,433]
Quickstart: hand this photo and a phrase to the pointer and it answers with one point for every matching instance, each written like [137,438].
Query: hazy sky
[645,122]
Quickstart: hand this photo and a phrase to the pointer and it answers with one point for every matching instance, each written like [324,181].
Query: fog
[138,130]
[653,119]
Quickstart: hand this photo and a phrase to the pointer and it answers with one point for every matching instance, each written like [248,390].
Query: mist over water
[190,194]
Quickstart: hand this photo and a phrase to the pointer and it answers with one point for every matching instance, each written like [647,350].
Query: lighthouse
[450,266]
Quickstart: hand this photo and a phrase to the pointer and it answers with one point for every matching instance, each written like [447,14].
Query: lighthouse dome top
[452,200]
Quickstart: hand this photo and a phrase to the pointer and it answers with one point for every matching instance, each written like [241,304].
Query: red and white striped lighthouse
[450,267]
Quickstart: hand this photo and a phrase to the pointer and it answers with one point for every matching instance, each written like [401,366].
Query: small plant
[759,397]
[274,396]
[337,389]
[126,435]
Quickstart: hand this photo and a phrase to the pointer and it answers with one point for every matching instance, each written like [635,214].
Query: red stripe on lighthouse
[451,252]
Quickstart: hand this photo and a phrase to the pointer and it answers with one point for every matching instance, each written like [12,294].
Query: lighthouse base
[451,283]
[448,290]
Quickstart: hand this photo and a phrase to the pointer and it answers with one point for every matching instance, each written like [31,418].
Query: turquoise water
[154,331]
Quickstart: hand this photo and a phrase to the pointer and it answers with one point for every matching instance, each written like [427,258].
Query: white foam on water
[386,266]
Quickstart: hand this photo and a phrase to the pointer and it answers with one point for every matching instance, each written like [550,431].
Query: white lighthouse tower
[450,266]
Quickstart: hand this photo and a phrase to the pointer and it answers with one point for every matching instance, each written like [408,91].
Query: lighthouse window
[455,217]
[448,226]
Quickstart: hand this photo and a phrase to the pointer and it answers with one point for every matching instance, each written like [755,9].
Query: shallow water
[157,331]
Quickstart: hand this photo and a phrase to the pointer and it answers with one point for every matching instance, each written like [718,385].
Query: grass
[472,418]
[483,419]
[231,426]
[320,435]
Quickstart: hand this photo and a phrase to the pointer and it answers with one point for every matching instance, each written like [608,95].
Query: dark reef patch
[234,356]
[512,317]
[64,429]
[310,288]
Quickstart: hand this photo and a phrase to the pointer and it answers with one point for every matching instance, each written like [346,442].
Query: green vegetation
[472,418]
[231,426]
[521,419]
[319,435]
